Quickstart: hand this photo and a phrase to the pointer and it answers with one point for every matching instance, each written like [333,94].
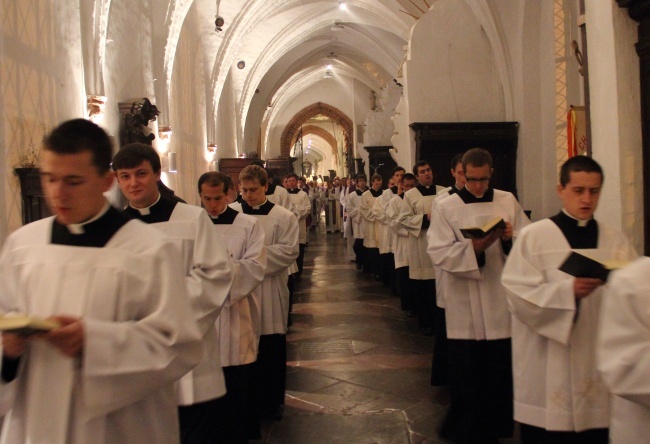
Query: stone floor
[358,368]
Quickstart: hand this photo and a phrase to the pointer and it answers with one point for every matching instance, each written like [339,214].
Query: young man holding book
[559,395]
[478,322]
[115,287]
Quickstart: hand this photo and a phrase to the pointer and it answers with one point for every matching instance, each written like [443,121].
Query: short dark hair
[458,158]
[269,173]
[294,175]
[254,172]
[396,169]
[214,179]
[133,154]
[376,177]
[79,135]
[408,176]
[258,162]
[418,164]
[579,163]
[477,157]
[360,176]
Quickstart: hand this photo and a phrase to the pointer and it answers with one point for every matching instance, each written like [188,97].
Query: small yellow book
[26,325]
[483,230]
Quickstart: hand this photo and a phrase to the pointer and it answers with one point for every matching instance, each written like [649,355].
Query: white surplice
[353,205]
[475,299]
[399,234]
[208,270]
[271,297]
[556,383]
[413,210]
[368,221]
[238,340]
[381,219]
[301,208]
[140,337]
[623,351]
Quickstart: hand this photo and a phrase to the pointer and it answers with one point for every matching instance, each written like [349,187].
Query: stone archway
[290,133]
[322,133]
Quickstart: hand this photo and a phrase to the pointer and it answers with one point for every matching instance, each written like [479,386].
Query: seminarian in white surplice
[116,287]
[623,351]
[208,277]
[478,321]
[557,387]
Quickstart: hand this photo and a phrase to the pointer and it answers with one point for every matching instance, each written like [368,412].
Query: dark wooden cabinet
[438,143]
[380,162]
[31,193]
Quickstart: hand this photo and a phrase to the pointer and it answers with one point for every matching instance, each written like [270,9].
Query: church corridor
[358,367]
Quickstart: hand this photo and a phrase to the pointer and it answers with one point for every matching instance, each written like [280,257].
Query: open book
[579,265]
[483,230]
[26,325]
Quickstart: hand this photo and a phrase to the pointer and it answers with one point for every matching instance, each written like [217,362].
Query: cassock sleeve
[209,281]
[546,307]
[379,210]
[249,270]
[123,362]
[284,251]
[453,255]
[623,352]
[407,217]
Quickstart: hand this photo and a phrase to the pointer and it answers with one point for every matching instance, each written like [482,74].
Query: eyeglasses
[477,179]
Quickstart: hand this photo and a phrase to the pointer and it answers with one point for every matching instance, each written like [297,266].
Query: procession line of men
[173,332]
[500,306]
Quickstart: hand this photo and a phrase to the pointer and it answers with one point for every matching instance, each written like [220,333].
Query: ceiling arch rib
[374,50]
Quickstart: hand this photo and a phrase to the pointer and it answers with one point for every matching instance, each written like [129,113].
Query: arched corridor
[358,367]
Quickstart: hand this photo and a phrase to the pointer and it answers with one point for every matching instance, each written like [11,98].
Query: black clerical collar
[263,209]
[427,191]
[401,196]
[96,232]
[294,191]
[359,192]
[375,193]
[271,190]
[160,211]
[577,234]
[394,190]
[454,189]
[226,217]
[469,198]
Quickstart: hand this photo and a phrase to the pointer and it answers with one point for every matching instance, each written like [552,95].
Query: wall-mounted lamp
[218,24]
[96,106]
[165,133]
[212,148]
[343,6]
[171,156]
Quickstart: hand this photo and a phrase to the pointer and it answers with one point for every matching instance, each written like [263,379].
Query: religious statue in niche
[137,115]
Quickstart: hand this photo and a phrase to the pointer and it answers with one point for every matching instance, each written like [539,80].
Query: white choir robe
[272,296]
[302,209]
[475,299]
[623,351]
[208,271]
[399,234]
[414,208]
[441,277]
[370,225]
[347,226]
[339,207]
[383,229]
[353,204]
[140,337]
[330,204]
[236,332]
[556,383]
[280,196]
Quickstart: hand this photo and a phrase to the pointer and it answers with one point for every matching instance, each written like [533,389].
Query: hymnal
[483,230]
[26,325]
[582,266]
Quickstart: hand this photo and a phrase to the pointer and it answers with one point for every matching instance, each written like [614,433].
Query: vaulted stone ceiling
[285,44]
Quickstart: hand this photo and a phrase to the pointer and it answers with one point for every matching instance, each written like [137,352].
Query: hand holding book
[484,230]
